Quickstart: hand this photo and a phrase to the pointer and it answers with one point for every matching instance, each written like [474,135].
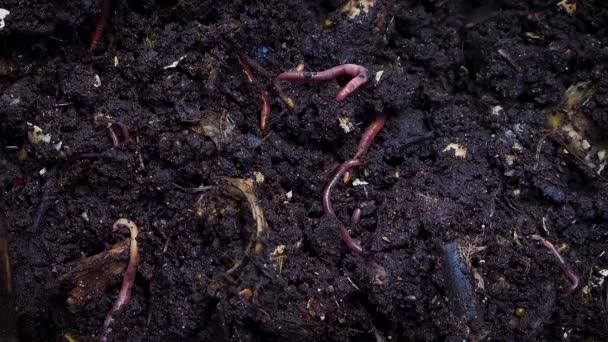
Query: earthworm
[128,279]
[106,5]
[125,131]
[265,113]
[367,139]
[248,62]
[356,217]
[113,136]
[567,270]
[351,243]
[370,134]
[246,69]
[359,75]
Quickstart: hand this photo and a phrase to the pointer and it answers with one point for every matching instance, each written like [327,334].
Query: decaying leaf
[218,127]
[568,5]
[459,150]
[581,136]
[576,95]
[353,8]
[244,189]
[92,276]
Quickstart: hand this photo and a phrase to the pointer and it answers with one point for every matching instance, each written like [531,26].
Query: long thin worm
[128,278]
[359,75]
[113,136]
[106,5]
[367,139]
[124,130]
[370,134]
[351,243]
[265,113]
[566,269]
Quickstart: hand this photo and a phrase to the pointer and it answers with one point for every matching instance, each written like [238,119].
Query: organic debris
[92,276]
[568,5]
[353,8]
[217,127]
[244,189]
[576,132]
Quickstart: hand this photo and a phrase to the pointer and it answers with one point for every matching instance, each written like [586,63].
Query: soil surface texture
[493,149]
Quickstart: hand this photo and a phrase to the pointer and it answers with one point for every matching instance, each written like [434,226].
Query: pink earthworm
[359,75]
[351,243]
[367,139]
[128,279]
[566,269]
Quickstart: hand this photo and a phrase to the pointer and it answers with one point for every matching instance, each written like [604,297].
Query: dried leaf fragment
[92,276]
[353,8]
[244,189]
[568,5]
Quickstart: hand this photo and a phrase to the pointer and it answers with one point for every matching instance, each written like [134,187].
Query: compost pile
[478,212]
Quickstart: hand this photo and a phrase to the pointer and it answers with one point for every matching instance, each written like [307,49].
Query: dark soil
[443,77]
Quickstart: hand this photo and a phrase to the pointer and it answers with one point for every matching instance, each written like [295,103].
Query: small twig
[566,269]
[359,75]
[128,279]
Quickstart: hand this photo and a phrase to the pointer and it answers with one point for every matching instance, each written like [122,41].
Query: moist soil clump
[496,113]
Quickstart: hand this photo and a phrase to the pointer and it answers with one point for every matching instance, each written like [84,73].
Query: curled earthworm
[367,139]
[106,5]
[566,269]
[123,129]
[113,136]
[351,243]
[128,279]
[359,75]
